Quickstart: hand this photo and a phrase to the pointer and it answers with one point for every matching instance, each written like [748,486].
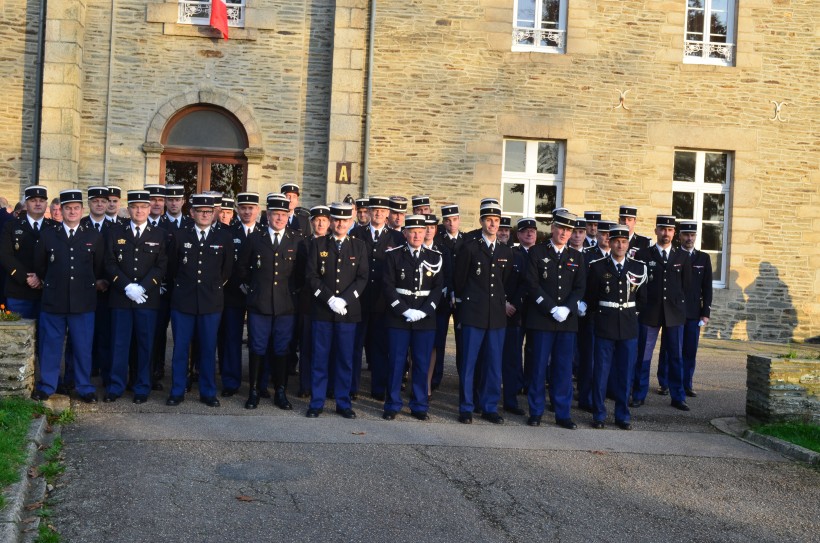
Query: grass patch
[54,465]
[46,532]
[800,433]
[15,418]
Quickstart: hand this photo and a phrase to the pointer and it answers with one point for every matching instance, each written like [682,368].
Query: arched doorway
[204,150]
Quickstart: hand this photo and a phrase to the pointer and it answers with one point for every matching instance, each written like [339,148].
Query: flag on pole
[219,17]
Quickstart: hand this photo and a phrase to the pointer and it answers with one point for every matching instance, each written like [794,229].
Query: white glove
[142,299]
[560,313]
[582,308]
[418,314]
[134,292]
[337,305]
[408,315]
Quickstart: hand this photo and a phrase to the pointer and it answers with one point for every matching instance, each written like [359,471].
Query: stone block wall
[17,358]
[782,389]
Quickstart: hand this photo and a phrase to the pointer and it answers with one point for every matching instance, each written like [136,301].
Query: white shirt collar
[271,231]
[661,249]
[141,226]
[67,228]
[198,230]
[171,218]
[38,221]
[622,262]
[487,242]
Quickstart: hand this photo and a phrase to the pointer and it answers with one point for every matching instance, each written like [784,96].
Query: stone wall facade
[782,389]
[17,358]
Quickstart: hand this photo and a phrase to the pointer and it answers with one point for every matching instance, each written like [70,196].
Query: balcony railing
[719,51]
[539,37]
[194,12]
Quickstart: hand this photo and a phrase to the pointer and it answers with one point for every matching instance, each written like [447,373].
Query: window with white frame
[540,25]
[710,32]
[532,179]
[196,12]
[700,192]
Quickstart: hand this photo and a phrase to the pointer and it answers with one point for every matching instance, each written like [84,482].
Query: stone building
[706,108]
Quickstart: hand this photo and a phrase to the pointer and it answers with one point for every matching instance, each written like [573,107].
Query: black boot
[280,379]
[255,365]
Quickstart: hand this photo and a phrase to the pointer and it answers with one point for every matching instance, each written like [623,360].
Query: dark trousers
[474,343]
[230,349]
[270,336]
[586,346]
[689,353]
[613,357]
[553,352]
[102,354]
[332,340]
[647,337]
[54,327]
[512,365]
[184,326]
[420,343]
[139,326]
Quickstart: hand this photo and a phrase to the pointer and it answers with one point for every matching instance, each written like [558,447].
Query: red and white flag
[219,17]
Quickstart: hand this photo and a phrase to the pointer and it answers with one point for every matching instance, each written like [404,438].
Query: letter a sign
[343,173]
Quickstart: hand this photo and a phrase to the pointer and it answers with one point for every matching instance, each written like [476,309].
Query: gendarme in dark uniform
[483,266]
[669,272]
[628,215]
[614,288]
[413,279]
[69,261]
[135,263]
[449,246]
[200,263]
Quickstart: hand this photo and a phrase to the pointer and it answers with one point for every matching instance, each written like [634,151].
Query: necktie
[176,223]
[202,236]
[97,226]
[339,245]
[416,256]
[36,226]
[137,233]
[376,235]
[665,258]
[620,268]
[70,233]
[248,231]
[153,223]
[276,240]
[492,248]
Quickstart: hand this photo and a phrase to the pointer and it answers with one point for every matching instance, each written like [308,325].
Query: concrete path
[152,473]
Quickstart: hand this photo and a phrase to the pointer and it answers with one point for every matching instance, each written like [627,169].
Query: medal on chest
[478,270]
[16,246]
[402,274]
[322,270]
[119,257]
[51,259]
[258,262]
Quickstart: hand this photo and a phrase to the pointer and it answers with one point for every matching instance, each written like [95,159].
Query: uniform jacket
[274,277]
[448,263]
[104,227]
[69,269]
[234,296]
[199,271]
[665,303]
[593,253]
[479,282]
[403,273]
[605,285]
[699,294]
[143,261]
[517,285]
[299,222]
[554,281]
[373,301]
[17,243]
[341,274]
[636,243]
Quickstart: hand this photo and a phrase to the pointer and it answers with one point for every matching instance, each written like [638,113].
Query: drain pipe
[38,96]
[368,100]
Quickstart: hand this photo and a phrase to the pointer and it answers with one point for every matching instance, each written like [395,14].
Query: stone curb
[19,492]
[738,428]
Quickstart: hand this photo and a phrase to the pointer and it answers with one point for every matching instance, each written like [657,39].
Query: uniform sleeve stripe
[318,291]
[394,304]
[539,299]
[356,294]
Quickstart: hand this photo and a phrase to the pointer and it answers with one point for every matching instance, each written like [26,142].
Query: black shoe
[514,410]
[534,420]
[39,395]
[304,394]
[89,398]
[346,412]
[157,386]
[389,414]
[174,401]
[495,418]
[680,405]
[313,412]
[253,400]
[140,398]
[210,401]
[566,423]
[691,393]
[465,417]
[228,392]
[111,397]
[623,425]
[377,397]
[263,393]
[598,424]
[663,391]
[419,415]
[635,403]
[280,399]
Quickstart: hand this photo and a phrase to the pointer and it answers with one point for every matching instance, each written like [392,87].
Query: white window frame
[198,12]
[699,188]
[699,51]
[559,35]
[531,179]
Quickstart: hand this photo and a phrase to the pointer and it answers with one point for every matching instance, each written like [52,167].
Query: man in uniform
[200,263]
[226,214]
[556,279]
[296,220]
[157,211]
[421,204]
[174,200]
[628,215]
[433,241]
[69,260]
[272,269]
[449,240]
[669,272]
[101,350]
[113,208]
[398,210]
[232,325]
[19,238]
[362,212]
[413,280]
[336,275]
[55,210]
[505,230]
[614,284]
[579,235]
[592,219]
[371,333]
[483,266]
[136,262]
[698,309]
